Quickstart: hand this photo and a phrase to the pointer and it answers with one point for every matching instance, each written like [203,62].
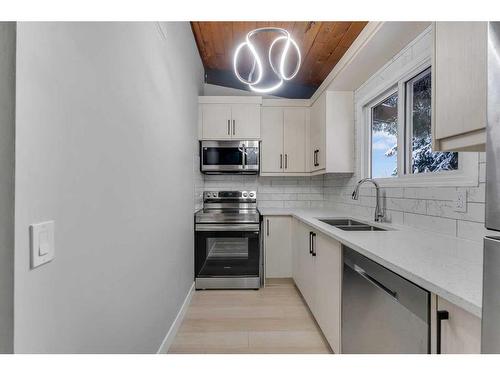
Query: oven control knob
[245,194]
[252,195]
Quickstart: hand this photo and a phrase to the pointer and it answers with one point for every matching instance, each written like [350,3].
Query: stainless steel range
[227,241]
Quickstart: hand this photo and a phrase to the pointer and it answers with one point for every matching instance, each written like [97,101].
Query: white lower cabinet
[317,272]
[277,245]
[461,332]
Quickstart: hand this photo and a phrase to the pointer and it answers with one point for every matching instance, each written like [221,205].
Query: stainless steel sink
[342,222]
[351,225]
[360,228]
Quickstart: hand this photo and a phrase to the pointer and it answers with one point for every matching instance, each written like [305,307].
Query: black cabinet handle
[228,127]
[267,227]
[313,253]
[440,316]
[310,242]
[281,161]
[286,161]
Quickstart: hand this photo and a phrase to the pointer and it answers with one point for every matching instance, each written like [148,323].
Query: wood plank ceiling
[322,44]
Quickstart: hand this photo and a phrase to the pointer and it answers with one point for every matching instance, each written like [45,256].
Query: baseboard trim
[169,337]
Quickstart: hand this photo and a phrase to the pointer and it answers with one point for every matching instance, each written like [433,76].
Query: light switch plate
[460,201]
[41,243]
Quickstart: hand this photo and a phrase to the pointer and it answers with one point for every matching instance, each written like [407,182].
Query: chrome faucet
[379,213]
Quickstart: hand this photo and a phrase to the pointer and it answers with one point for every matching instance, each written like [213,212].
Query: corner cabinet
[332,133]
[222,117]
[459,86]
[283,148]
[317,272]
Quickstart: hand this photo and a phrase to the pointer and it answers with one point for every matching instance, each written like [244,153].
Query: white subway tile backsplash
[415,206]
[470,230]
[436,193]
[431,223]
[482,172]
[475,211]
[476,194]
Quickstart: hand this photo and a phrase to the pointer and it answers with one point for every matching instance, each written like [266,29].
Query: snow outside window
[420,157]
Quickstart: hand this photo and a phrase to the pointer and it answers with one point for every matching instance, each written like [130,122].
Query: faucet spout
[379,214]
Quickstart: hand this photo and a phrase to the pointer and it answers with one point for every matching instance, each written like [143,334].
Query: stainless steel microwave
[240,157]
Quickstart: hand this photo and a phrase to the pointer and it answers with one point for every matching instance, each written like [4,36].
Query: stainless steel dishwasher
[381,311]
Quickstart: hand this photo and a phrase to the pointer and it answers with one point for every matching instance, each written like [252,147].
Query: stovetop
[229,207]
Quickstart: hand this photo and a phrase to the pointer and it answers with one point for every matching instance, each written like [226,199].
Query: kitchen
[250,187]
[419,232]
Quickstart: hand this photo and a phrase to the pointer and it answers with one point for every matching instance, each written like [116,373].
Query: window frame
[467,173]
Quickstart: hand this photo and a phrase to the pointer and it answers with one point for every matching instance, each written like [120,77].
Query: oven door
[227,251]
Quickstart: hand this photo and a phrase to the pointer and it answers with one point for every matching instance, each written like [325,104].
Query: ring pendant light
[257,71]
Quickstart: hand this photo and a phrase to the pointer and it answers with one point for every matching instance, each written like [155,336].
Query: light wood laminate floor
[274,319]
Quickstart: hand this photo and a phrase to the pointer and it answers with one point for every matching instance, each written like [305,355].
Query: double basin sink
[351,225]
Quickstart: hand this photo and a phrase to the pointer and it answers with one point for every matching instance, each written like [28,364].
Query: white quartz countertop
[447,266]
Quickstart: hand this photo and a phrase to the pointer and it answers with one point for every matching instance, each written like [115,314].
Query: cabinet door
[245,121]
[303,268]
[294,130]
[461,333]
[328,289]
[278,250]
[459,78]
[272,140]
[317,136]
[216,121]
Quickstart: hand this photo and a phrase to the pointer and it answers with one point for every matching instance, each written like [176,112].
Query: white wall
[106,129]
[7,133]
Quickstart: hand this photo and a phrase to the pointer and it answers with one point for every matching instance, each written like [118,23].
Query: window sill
[467,175]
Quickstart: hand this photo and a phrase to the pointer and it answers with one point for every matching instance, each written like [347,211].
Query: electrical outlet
[460,201]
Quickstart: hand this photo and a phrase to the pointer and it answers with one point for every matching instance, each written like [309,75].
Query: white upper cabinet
[294,145]
[459,85]
[216,121]
[318,129]
[229,117]
[332,133]
[284,140]
[246,121]
[272,140]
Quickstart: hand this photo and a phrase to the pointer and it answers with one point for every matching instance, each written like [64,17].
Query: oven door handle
[227,228]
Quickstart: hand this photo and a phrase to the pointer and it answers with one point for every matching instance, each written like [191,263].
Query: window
[384,137]
[420,157]
[399,127]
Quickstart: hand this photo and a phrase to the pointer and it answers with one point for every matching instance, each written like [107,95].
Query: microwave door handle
[243,151]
